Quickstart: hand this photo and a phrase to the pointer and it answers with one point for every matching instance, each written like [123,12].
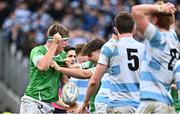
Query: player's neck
[163,30]
[124,35]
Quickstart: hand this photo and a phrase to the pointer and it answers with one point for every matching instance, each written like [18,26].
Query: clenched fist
[56,38]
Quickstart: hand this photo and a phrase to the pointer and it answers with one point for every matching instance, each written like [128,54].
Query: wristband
[160,8]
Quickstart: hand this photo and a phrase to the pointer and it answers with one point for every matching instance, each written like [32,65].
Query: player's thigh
[145,107]
[166,108]
[100,108]
[121,110]
[154,107]
[29,108]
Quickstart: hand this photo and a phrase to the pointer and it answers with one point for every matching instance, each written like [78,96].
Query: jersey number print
[131,55]
[173,53]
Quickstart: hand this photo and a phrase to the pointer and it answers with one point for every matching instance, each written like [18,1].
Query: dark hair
[68,48]
[124,23]
[92,46]
[62,30]
[79,47]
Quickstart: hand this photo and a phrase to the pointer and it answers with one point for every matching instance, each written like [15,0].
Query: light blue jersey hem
[146,95]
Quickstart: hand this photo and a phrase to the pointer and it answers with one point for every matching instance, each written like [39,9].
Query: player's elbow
[43,68]
[134,11]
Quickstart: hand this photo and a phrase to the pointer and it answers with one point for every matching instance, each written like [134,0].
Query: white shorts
[148,106]
[121,110]
[100,108]
[30,105]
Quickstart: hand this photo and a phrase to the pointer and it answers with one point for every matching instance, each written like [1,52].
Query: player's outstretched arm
[93,85]
[73,72]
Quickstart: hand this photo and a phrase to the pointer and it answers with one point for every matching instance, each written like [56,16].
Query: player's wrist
[62,104]
[85,104]
[55,45]
[160,8]
[55,42]
[56,38]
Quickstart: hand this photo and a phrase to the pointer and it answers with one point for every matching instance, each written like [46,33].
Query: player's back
[162,51]
[124,86]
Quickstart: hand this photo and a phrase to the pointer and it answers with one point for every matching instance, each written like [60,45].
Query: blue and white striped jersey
[82,86]
[123,58]
[177,78]
[103,93]
[162,51]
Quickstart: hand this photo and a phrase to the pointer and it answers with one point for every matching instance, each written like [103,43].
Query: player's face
[62,44]
[81,58]
[94,56]
[71,57]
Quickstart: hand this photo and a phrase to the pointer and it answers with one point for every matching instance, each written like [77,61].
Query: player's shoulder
[111,43]
[141,44]
[38,49]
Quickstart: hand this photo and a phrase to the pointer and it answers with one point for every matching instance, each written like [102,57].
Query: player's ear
[154,20]
[134,29]
[115,30]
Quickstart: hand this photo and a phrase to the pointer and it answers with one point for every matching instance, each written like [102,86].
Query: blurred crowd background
[24,23]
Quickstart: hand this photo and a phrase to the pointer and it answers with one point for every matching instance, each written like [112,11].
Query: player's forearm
[146,9]
[61,103]
[76,72]
[92,88]
[139,13]
[46,61]
[74,66]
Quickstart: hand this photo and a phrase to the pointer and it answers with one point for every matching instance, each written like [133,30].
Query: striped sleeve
[105,55]
[150,31]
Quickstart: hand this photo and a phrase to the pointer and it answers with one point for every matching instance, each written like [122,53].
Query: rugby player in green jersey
[44,81]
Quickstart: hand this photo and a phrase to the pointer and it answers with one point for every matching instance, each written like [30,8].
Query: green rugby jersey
[86,65]
[44,85]
[174,95]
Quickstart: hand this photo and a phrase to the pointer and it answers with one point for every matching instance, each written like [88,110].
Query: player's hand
[168,8]
[72,108]
[54,65]
[56,38]
[82,109]
[174,86]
